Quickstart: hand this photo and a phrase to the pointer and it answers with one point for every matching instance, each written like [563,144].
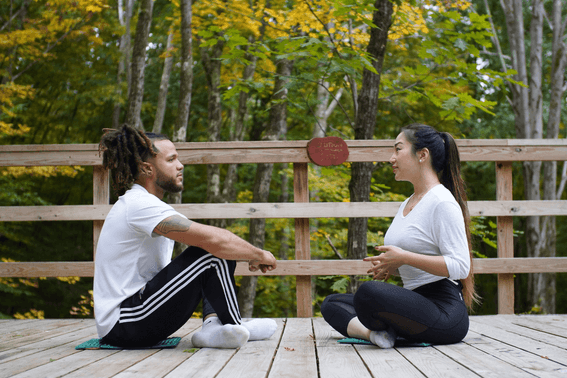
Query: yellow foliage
[86,304]
[41,171]
[31,314]
[10,92]
[408,20]
[244,196]
[69,280]
[7,129]
[40,34]
[443,5]
[226,15]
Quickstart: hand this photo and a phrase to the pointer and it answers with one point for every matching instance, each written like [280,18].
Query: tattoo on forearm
[173,224]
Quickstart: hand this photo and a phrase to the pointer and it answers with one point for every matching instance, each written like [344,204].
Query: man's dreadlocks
[123,152]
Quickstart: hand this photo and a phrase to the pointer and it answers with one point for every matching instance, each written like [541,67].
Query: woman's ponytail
[447,163]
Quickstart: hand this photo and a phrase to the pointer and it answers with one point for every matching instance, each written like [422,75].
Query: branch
[334,103]
[331,93]
[48,49]
[334,249]
[317,120]
[326,29]
[24,6]
[546,17]
[486,52]
[562,182]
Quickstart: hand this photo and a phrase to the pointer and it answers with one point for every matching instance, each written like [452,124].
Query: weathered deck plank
[496,346]
[254,359]
[336,360]
[205,363]
[50,347]
[37,332]
[295,356]
[432,363]
[480,362]
[522,352]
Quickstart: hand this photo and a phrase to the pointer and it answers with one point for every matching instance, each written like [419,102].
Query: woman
[427,244]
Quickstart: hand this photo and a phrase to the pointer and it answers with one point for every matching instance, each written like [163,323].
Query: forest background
[272,70]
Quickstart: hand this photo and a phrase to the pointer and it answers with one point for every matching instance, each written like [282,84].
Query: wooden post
[505,238]
[302,246]
[101,196]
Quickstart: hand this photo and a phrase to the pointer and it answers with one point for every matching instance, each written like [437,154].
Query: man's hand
[267,262]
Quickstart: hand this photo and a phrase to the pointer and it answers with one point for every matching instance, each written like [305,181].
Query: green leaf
[460,44]
[341,285]
[489,242]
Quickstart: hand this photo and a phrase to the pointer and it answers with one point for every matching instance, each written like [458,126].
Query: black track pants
[170,298]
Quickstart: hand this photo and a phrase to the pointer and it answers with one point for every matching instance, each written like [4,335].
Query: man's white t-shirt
[128,253]
[434,227]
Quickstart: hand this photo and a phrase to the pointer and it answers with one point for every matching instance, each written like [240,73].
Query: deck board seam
[314,340]
[496,356]
[456,361]
[514,347]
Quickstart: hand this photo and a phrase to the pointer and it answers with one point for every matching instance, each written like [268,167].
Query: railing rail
[500,151]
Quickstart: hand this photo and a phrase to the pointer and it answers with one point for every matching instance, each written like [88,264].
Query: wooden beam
[284,152]
[302,240]
[280,210]
[505,238]
[294,267]
[101,196]
[47,269]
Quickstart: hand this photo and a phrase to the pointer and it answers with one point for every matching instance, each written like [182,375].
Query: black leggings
[434,313]
[170,298]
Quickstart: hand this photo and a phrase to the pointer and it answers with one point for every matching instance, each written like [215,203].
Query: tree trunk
[136,96]
[284,238]
[185,91]
[361,173]
[528,110]
[545,284]
[237,129]
[124,17]
[186,80]
[324,109]
[212,65]
[164,86]
[520,98]
[276,131]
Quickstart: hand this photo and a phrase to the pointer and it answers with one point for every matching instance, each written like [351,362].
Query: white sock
[214,334]
[261,329]
[384,339]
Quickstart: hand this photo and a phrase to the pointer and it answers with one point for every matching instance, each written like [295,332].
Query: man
[141,296]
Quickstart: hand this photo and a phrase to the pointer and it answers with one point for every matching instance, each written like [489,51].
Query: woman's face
[405,163]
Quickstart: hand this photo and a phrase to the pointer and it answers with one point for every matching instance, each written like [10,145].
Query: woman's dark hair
[123,152]
[447,163]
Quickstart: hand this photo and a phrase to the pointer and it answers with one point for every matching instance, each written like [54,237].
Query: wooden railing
[502,152]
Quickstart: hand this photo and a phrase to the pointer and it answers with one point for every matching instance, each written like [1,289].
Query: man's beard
[169,184]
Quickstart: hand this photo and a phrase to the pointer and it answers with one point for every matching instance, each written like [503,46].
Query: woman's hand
[387,263]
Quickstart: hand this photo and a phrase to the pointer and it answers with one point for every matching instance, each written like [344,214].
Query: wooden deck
[496,346]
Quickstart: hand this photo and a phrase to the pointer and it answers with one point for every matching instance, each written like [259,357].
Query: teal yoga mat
[96,344]
[399,342]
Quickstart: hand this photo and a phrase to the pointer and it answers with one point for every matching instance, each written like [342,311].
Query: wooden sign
[327,151]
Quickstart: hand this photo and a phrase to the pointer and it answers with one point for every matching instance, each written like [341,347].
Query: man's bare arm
[173,224]
[217,241]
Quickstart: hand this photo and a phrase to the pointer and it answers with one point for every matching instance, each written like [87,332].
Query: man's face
[169,170]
